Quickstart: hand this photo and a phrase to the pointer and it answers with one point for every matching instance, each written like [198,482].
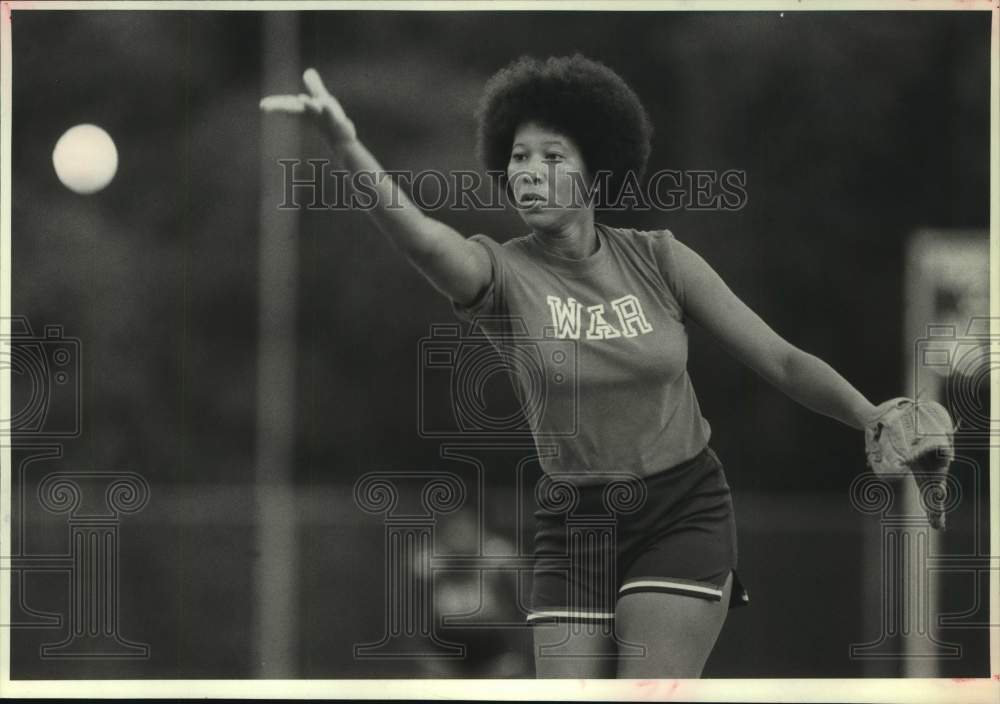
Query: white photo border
[974,691]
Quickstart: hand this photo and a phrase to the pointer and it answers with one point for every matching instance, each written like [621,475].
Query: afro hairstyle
[575,96]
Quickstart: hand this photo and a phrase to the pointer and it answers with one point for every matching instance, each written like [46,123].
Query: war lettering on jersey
[600,329]
[567,315]
[630,315]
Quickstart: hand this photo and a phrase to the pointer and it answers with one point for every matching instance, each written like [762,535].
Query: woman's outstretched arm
[455,266]
[803,377]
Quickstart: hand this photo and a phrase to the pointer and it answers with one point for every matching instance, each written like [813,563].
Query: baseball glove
[904,436]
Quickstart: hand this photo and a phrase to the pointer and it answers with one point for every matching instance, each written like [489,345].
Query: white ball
[85,159]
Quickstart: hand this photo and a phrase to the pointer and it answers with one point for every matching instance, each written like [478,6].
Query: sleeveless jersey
[597,350]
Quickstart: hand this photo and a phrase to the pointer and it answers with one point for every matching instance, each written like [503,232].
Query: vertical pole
[920,585]
[275,569]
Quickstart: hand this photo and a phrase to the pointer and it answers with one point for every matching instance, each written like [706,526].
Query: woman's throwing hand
[319,103]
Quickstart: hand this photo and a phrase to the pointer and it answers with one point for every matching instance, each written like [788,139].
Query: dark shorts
[671,532]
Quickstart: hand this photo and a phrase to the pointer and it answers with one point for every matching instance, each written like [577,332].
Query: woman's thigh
[575,649]
[678,632]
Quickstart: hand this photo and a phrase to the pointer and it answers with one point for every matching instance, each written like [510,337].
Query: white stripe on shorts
[592,615]
[664,584]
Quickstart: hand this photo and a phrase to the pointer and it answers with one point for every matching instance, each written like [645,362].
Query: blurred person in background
[560,131]
[477,598]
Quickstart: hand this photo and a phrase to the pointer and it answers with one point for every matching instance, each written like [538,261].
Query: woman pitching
[625,298]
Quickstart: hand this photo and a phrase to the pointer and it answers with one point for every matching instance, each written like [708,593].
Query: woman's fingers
[291,104]
[283,103]
[321,97]
[314,84]
[319,102]
[314,101]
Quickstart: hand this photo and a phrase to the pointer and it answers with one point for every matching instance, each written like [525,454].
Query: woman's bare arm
[455,266]
[803,377]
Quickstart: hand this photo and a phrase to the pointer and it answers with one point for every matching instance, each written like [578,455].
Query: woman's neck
[576,240]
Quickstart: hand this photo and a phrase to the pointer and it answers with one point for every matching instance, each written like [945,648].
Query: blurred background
[855,131]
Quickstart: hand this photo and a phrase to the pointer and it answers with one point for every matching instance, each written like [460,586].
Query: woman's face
[547,177]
